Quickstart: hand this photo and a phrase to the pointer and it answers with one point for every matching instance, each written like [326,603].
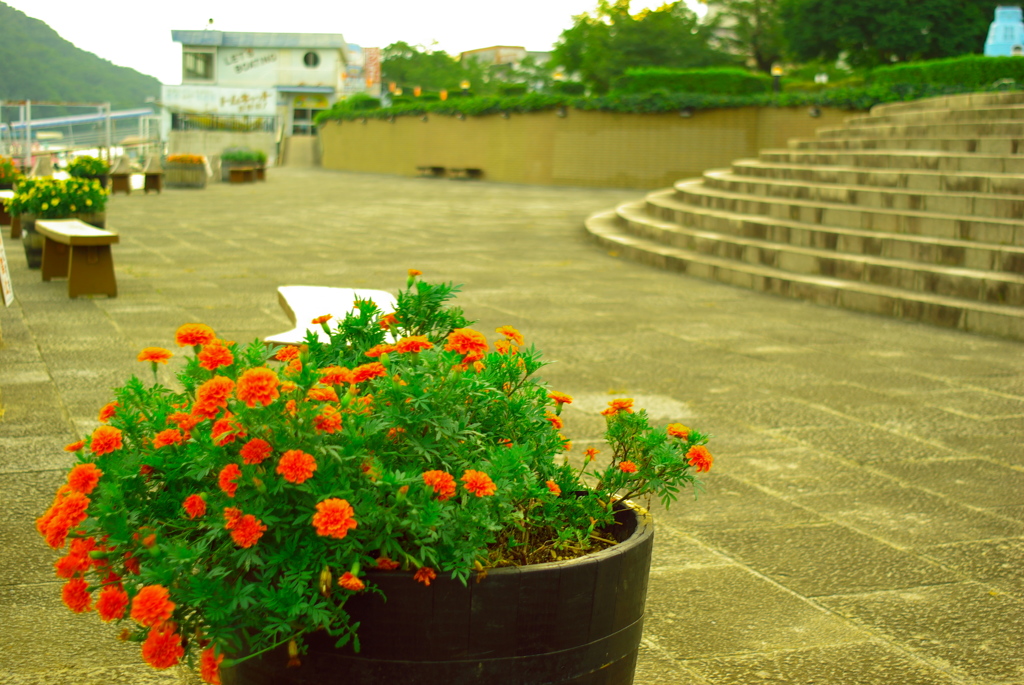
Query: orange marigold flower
[231,516]
[209,666]
[296,466]
[559,397]
[479,483]
[442,482]
[554,420]
[386,564]
[157,355]
[162,648]
[194,334]
[291,408]
[257,386]
[335,375]
[71,565]
[511,334]
[75,446]
[111,603]
[553,487]
[413,273]
[351,582]
[255,451]
[213,395]
[227,477]
[323,318]
[287,387]
[378,350]
[247,531]
[68,510]
[75,595]
[424,575]
[503,346]
[226,430]
[700,458]
[627,467]
[615,406]
[478,367]
[131,564]
[322,395]
[287,353]
[105,439]
[590,453]
[84,477]
[334,518]
[184,422]
[152,606]
[678,430]
[387,321]
[467,342]
[293,368]
[328,420]
[413,343]
[368,371]
[195,506]
[214,356]
[395,433]
[171,436]
[108,411]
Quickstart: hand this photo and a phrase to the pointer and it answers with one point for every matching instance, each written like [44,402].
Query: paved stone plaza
[864,520]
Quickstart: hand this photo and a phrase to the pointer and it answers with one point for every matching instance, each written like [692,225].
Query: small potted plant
[49,198]
[185,171]
[88,167]
[240,157]
[249,520]
[9,174]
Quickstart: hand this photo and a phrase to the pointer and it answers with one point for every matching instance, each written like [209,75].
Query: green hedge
[970,71]
[243,155]
[716,80]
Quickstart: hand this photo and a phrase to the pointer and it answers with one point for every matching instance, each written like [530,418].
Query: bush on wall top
[718,80]
[970,71]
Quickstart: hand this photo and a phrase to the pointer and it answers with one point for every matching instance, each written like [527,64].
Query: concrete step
[993,287]
[959,227]
[899,159]
[955,203]
[607,229]
[897,246]
[908,179]
[953,129]
[937,116]
[962,101]
[981,145]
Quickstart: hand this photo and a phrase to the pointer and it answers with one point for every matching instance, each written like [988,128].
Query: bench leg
[15,227]
[91,271]
[55,260]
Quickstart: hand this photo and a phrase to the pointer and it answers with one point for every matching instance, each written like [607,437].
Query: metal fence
[181,121]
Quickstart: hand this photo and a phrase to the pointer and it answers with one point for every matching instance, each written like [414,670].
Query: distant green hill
[37,64]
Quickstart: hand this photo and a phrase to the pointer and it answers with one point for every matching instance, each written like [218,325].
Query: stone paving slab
[864,520]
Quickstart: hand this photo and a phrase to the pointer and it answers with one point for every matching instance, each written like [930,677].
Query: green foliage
[753,30]
[569,87]
[40,65]
[719,80]
[8,171]
[439,452]
[601,46]
[871,33]
[512,89]
[410,66]
[243,155]
[50,198]
[84,166]
[969,71]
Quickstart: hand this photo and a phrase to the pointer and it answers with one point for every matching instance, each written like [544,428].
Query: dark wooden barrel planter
[576,622]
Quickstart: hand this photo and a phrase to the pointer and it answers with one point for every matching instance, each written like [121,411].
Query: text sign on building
[216,100]
[371,65]
[244,60]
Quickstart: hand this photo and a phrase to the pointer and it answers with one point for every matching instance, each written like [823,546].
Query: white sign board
[216,100]
[5,276]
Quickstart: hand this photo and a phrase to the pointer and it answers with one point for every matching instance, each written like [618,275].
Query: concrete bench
[242,174]
[5,218]
[303,303]
[79,252]
[431,171]
[470,173]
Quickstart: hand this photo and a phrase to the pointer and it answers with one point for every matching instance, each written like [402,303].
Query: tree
[600,46]
[410,66]
[876,32]
[751,28]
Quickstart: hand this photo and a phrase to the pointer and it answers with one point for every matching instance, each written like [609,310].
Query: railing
[181,121]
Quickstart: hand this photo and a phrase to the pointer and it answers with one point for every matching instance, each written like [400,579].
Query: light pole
[776,78]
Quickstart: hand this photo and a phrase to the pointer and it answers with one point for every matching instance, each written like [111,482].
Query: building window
[311,60]
[197,66]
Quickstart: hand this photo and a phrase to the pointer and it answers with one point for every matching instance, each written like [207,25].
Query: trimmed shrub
[243,155]
[569,88]
[716,80]
[970,72]
[512,89]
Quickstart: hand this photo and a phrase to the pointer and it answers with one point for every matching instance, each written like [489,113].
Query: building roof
[259,40]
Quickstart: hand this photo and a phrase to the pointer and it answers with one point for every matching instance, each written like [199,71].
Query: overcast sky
[137,33]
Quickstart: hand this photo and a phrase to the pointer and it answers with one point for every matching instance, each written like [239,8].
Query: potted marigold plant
[88,167]
[8,173]
[185,171]
[397,501]
[49,198]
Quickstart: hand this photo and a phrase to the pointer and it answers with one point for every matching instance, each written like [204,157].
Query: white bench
[303,303]
[79,252]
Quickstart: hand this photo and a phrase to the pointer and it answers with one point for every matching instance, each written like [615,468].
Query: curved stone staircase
[915,211]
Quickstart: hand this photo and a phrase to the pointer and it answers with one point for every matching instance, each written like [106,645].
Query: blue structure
[1006,33]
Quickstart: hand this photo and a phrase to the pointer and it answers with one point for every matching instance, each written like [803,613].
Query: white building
[269,83]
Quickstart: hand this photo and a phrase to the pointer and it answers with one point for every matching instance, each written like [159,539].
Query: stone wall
[597,149]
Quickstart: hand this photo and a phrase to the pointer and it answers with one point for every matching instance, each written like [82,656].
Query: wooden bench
[303,303]
[79,252]
[466,173]
[242,174]
[5,218]
[121,183]
[153,181]
[431,171]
